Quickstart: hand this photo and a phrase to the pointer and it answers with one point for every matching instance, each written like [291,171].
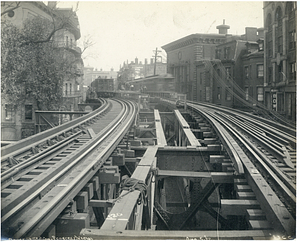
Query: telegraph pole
[155,59]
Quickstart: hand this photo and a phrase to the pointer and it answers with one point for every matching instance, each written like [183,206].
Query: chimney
[260,32]
[251,33]
[146,61]
[223,28]
[52,4]
[136,60]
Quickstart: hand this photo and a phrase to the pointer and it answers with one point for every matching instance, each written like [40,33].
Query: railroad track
[264,150]
[262,155]
[39,185]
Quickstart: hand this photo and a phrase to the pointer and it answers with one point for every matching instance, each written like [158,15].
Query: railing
[72,94]
[69,45]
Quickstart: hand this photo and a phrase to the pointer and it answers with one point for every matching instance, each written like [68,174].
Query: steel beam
[160,136]
[119,216]
[184,129]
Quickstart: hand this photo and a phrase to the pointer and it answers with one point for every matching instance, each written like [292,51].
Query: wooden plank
[100,203]
[237,206]
[255,214]
[100,234]
[160,136]
[260,224]
[148,156]
[121,212]
[218,177]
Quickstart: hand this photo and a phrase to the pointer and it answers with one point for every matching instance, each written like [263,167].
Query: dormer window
[260,46]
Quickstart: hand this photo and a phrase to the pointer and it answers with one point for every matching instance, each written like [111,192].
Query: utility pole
[155,59]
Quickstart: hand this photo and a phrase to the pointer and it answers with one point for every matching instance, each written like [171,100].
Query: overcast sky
[125,30]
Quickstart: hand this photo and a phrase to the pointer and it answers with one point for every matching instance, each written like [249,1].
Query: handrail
[50,133]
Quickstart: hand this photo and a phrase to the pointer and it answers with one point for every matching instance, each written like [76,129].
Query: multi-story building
[280,22]
[212,67]
[135,70]
[67,40]
[19,122]
[91,73]
[183,54]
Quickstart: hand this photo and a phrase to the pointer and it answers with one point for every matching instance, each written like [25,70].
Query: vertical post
[155,61]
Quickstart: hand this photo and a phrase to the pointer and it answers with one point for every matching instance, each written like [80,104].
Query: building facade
[136,69]
[183,55]
[19,122]
[91,73]
[280,22]
[219,68]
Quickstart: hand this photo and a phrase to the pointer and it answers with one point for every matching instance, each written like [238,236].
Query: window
[260,94]
[270,76]
[293,69]
[278,30]
[78,87]
[66,90]
[71,88]
[261,46]
[228,72]
[246,71]
[269,36]
[218,54]
[28,112]
[67,41]
[292,39]
[228,94]
[247,93]
[8,111]
[219,93]
[260,70]
[226,53]
[71,42]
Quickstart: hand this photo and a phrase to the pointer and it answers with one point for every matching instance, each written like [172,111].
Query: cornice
[206,39]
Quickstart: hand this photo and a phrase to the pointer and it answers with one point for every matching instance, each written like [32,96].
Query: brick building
[280,22]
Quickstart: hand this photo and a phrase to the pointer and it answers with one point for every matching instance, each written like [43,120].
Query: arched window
[290,8]
[278,33]
[269,35]
[292,39]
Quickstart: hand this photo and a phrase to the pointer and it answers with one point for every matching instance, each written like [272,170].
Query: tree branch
[11,9]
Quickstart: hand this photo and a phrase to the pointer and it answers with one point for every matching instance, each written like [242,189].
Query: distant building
[90,74]
[19,122]
[280,61]
[136,70]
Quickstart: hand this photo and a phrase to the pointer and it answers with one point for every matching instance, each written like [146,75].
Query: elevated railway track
[117,174]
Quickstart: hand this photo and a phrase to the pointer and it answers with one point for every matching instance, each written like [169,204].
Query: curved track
[261,150]
[39,188]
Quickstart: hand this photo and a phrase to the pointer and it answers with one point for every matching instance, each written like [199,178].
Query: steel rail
[274,128]
[40,219]
[285,182]
[290,189]
[94,143]
[34,159]
[271,143]
[25,144]
[280,214]
[228,141]
[290,130]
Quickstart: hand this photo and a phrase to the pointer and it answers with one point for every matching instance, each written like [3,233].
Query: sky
[124,30]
